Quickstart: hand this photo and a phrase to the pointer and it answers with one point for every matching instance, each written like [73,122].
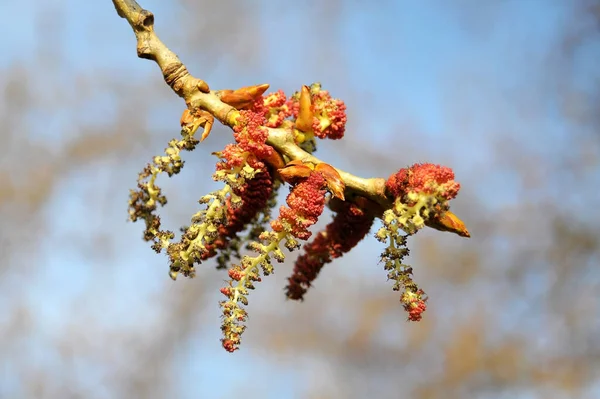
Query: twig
[197,95]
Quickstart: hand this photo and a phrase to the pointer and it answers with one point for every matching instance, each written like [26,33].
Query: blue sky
[412,74]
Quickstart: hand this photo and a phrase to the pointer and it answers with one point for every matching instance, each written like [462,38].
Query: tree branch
[198,96]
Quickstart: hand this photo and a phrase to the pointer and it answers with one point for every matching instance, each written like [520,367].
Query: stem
[371,188]
[194,91]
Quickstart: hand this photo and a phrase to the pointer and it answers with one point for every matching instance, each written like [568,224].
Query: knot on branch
[173,74]
[143,25]
[145,21]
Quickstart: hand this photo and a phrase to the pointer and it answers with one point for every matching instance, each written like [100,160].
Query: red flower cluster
[276,108]
[255,194]
[230,345]
[329,116]
[414,304]
[233,156]
[423,178]
[350,225]
[306,202]
[251,135]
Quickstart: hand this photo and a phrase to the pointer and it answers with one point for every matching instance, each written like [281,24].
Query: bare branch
[149,46]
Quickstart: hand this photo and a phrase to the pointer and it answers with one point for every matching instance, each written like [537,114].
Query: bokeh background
[505,92]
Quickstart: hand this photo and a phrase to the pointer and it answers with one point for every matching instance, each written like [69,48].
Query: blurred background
[507,93]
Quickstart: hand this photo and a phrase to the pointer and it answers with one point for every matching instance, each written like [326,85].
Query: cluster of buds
[421,196]
[317,114]
[253,169]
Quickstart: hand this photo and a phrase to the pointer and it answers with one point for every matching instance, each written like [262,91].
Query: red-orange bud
[202,86]
[335,184]
[243,98]
[294,170]
[449,222]
[192,121]
[304,121]
[423,178]
[186,118]
[275,160]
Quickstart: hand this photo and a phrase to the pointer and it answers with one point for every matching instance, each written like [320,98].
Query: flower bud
[294,170]
[275,160]
[244,97]
[304,121]
[448,221]
[334,181]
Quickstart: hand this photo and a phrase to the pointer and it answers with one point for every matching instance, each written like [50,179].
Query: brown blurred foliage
[515,310]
